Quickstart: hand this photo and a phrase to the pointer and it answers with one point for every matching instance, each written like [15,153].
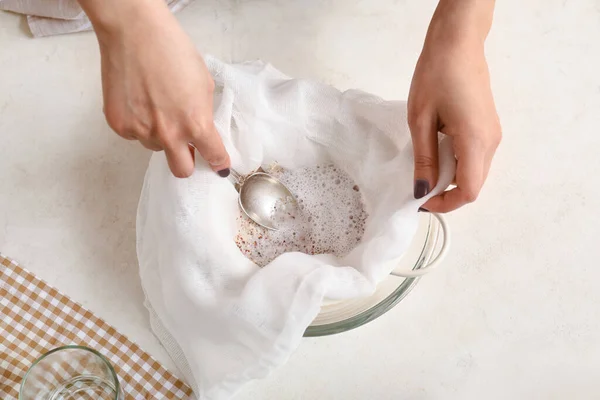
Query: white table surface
[513,313]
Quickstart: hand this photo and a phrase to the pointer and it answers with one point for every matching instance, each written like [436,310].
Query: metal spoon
[261,194]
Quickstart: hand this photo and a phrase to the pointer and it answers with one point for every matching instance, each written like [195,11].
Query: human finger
[210,147]
[425,150]
[470,173]
[180,159]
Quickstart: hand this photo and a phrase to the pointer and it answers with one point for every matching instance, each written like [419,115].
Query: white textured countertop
[513,313]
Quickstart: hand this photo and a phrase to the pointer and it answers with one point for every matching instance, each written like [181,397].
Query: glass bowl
[341,316]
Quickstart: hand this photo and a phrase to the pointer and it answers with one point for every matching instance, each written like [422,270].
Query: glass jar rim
[74,347]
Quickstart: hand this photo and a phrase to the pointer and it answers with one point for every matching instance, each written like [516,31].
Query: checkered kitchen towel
[35,318]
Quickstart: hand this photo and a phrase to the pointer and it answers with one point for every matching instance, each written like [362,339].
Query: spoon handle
[235,178]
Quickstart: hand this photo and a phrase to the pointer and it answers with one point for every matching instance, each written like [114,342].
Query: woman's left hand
[450,93]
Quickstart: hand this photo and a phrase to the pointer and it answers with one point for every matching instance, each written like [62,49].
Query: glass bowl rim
[384,305]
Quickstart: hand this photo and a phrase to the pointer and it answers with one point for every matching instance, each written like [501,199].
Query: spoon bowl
[263,198]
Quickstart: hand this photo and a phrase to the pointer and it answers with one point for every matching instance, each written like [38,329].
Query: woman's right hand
[156,86]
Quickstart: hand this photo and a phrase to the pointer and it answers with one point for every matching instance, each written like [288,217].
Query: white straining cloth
[224,320]
[55,17]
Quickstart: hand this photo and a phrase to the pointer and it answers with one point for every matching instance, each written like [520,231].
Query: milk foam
[331,219]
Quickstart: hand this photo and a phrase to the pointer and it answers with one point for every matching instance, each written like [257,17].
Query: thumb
[425,149]
[211,148]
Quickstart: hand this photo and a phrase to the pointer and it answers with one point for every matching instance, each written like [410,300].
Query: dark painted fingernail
[421,209]
[421,188]
[224,173]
